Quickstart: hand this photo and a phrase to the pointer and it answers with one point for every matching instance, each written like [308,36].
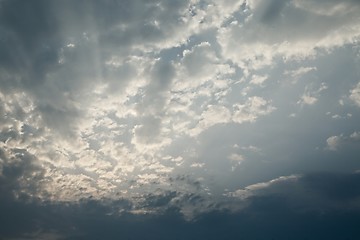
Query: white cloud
[253,108]
[299,72]
[287,29]
[197,165]
[310,97]
[355,136]
[258,80]
[306,99]
[295,75]
[255,189]
[355,94]
[236,157]
[213,115]
[333,142]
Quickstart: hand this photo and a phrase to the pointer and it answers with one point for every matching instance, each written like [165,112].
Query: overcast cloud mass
[179,119]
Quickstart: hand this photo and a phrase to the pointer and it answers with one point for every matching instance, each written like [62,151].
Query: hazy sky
[179,119]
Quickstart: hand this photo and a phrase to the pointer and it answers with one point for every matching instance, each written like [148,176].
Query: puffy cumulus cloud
[355,136]
[355,94]
[258,80]
[211,116]
[307,99]
[58,52]
[287,29]
[236,157]
[335,142]
[61,62]
[88,88]
[252,109]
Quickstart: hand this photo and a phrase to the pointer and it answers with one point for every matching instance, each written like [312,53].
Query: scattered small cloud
[310,97]
[258,80]
[252,109]
[355,94]
[335,142]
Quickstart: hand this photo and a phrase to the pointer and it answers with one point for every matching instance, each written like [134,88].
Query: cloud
[257,188]
[252,109]
[236,159]
[355,136]
[258,80]
[355,94]
[211,116]
[312,200]
[126,117]
[303,193]
[335,142]
[20,176]
[286,29]
[108,94]
[299,72]
[308,98]
[60,51]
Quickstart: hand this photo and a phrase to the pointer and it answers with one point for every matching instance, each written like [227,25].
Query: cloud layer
[178,110]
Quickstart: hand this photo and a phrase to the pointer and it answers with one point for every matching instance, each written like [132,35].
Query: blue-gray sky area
[179,119]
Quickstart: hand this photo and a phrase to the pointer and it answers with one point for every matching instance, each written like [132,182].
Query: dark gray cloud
[339,187]
[20,176]
[273,212]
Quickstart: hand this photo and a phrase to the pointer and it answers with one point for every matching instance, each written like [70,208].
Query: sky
[179,119]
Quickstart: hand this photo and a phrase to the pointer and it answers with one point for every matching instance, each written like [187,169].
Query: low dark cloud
[339,187]
[278,211]
[20,175]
